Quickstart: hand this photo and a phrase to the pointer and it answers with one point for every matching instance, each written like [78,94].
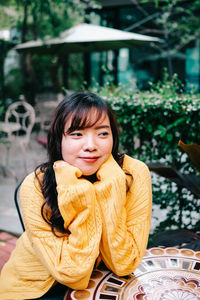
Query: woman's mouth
[90,159]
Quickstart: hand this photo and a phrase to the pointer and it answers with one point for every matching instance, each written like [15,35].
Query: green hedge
[152,123]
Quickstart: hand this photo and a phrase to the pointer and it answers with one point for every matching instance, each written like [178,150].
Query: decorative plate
[164,274]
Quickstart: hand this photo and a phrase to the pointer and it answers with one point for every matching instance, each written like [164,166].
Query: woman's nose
[89,144]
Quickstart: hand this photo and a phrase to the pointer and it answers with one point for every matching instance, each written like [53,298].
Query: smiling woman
[89,147]
[87,204]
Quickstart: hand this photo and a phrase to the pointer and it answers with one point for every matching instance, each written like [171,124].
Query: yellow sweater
[101,218]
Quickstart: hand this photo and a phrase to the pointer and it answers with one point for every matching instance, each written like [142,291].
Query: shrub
[152,123]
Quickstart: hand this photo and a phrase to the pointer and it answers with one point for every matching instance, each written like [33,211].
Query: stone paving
[35,154]
[10,227]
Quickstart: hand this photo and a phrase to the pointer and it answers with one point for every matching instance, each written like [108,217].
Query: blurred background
[143,57]
[176,23]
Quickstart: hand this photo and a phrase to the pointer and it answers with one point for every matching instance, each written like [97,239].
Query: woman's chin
[89,173]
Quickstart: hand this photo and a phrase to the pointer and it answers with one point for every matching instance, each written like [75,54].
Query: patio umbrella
[87,38]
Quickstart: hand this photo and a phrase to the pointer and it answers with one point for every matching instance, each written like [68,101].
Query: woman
[86,204]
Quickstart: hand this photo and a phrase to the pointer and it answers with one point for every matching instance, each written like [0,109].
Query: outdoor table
[164,274]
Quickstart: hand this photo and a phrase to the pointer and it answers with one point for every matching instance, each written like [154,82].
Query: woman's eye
[105,133]
[75,134]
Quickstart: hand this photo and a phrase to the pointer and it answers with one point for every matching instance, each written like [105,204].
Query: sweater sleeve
[70,258]
[125,215]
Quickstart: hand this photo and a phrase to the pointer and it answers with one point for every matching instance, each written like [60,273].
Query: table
[164,274]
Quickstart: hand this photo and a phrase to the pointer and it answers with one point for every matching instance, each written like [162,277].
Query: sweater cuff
[66,174]
[109,168]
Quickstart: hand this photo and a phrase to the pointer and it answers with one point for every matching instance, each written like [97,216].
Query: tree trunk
[24,25]
[26,67]
[30,81]
[2,70]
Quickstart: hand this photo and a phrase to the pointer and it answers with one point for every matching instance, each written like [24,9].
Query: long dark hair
[77,106]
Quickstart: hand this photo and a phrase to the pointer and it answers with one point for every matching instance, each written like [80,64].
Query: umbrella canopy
[87,38]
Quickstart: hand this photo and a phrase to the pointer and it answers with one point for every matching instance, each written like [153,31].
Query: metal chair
[16,199]
[22,113]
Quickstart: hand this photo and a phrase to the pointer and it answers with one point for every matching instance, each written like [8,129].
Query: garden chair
[22,113]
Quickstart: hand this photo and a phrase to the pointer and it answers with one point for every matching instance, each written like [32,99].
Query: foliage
[176,22]
[37,19]
[179,17]
[152,123]
[42,18]
[181,237]
[8,15]
[189,181]
[13,84]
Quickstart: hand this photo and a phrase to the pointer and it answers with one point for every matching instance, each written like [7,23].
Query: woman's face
[88,148]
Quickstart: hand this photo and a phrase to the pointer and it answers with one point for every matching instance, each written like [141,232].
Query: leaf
[193,150]
[169,137]
[176,123]
[161,131]
[189,181]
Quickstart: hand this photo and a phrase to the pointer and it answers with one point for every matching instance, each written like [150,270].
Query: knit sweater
[102,218]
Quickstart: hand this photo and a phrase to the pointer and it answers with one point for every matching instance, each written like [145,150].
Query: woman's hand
[60,163]
[61,167]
